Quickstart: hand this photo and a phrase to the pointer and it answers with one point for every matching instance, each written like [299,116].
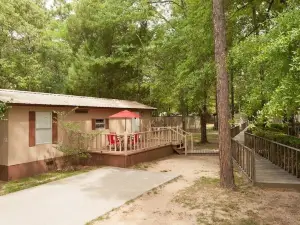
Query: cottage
[28,134]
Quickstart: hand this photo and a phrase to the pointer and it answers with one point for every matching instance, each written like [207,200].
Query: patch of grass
[212,137]
[144,166]
[187,198]
[249,221]
[230,206]
[202,221]
[100,218]
[154,191]
[208,181]
[140,166]
[129,202]
[17,185]
[239,179]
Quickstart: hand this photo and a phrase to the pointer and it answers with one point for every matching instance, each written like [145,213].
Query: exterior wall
[18,133]
[118,125]
[3,149]
[129,160]
[146,120]
[150,155]
[32,168]
[3,142]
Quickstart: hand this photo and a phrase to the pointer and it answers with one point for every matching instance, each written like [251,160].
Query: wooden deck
[203,151]
[269,175]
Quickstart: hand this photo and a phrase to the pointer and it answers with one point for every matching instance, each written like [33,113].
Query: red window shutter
[31,128]
[54,128]
[93,124]
[106,123]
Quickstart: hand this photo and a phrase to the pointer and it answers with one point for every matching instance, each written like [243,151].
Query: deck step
[179,149]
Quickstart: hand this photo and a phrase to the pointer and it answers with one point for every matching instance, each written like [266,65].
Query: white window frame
[102,123]
[38,115]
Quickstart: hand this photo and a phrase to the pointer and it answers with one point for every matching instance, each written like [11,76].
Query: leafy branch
[75,143]
[3,109]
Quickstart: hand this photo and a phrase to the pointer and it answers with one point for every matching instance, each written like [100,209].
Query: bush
[276,136]
[75,142]
[277,127]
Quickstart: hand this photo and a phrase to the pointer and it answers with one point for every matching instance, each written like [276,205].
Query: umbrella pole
[125,125]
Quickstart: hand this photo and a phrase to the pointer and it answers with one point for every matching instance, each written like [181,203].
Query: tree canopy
[156,52]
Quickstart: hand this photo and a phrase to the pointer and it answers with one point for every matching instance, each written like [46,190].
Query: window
[43,128]
[100,124]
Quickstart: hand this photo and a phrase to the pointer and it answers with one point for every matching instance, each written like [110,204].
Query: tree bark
[183,108]
[226,168]
[203,122]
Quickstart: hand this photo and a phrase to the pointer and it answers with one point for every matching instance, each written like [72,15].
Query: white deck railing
[130,142]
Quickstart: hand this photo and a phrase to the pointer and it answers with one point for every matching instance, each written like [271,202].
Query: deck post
[192,142]
[125,143]
[253,167]
[185,145]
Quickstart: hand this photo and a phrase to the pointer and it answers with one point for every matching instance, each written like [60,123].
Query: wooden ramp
[269,175]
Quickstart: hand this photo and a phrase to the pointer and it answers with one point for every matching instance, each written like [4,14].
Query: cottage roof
[39,98]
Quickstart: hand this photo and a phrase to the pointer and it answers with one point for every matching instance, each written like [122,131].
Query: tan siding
[3,142]
[18,124]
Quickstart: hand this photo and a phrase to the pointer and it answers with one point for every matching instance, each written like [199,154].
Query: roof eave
[98,107]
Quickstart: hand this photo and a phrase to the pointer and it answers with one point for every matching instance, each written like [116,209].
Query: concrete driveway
[79,199]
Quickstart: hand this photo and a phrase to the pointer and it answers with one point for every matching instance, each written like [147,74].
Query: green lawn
[17,185]
[212,136]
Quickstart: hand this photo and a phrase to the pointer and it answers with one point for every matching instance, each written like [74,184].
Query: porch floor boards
[203,151]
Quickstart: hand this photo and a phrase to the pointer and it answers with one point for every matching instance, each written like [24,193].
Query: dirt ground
[195,198]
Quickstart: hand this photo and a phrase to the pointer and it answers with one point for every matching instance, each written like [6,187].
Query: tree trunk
[183,122]
[226,168]
[183,108]
[293,126]
[203,121]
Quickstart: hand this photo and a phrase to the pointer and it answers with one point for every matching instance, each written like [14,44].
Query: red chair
[112,139]
[134,139]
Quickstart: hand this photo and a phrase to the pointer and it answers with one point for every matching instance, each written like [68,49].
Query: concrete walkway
[79,199]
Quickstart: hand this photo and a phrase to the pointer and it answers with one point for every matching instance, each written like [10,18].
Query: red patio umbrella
[125,114]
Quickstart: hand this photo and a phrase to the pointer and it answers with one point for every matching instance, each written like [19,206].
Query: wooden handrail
[244,158]
[234,130]
[188,134]
[283,145]
[284,156]
[128,142]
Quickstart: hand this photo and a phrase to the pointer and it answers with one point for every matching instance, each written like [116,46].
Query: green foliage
[109,39]
[267,65]
[34,55]
[276,136]
[3,109]
[75,142]
[17,185]
[184,57]
[160,54]
[278,127]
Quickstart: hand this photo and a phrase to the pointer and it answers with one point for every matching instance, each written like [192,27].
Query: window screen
[100,124]
[43,128]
